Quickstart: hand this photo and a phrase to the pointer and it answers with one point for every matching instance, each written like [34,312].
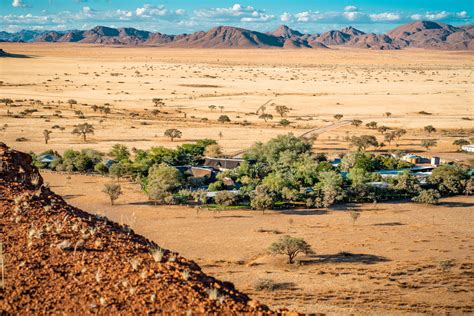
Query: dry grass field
[391,261]
[397,258]
[316,85]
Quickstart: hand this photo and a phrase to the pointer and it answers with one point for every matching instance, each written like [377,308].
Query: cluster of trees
[281,172]
[85,160]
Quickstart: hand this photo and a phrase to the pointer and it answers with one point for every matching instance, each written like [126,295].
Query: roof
[47,158]
[196,172]
[213,193]
[223,163]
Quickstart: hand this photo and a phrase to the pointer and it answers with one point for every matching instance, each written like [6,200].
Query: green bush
[216,186]
[225,198]
[430,196]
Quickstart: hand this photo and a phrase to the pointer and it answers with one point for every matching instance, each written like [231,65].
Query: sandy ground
[394,267]
[316,85]
[396,247]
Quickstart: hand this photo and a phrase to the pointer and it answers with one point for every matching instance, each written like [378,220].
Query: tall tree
[429,129]
[282,110]
[46,134]
[173,133]
[83,130]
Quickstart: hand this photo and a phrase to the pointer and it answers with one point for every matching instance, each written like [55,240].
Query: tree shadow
[72,196]
[284,286]
[144,203]
[456,204]
[301,212]
[344,257]
[389,224]
[9,55]
[233,216]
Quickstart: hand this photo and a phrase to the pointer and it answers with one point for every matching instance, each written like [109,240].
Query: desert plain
[388,261]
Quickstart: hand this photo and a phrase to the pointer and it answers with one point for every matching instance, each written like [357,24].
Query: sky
[185,16]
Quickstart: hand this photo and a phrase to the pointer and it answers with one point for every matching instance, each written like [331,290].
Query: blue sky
[175,16]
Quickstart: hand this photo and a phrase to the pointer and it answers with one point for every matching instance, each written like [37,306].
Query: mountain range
[420,34]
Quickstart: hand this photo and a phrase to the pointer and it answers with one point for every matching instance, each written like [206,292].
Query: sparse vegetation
[291,247]
[83,130]
[173,133]
[113,191]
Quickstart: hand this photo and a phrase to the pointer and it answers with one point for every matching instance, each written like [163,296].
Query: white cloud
[285,17]
[386,16]
[18,4]
[351,8]
[235,13]
[441,15]
[352,15]
[150,10]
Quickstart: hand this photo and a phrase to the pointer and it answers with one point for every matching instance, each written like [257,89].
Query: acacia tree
[429,129]
[223,119]
[388,114]
[71,102]
[371,125]
[173,133]
[266,117]
[46,134]
[162,181]
[338,117]
[356,123]
[213,150]
[399,133]
[389,137]
[428,143]
[282,110]
[113,191]
[364,141]
[460,142]
[291,247]
[83,130]
[212,107]
[382,129]
[158,102]
[7,101]
[262,200]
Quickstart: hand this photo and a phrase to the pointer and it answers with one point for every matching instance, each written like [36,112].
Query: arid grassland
[387,257]
[396,258]
[416,87]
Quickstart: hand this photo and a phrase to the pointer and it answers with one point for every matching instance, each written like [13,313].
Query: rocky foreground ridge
[61,260]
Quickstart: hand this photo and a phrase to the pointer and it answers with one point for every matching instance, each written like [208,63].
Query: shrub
[265,285]
[113,191]
[101,168]
[119,152]
[291,247]
[216,186]
[262,199]
[430,196]
[162,180]
[284,122]
[173,133]
[449,179]
[223,119]
[225,198]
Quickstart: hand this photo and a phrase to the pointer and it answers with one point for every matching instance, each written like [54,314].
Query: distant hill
[420,34]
